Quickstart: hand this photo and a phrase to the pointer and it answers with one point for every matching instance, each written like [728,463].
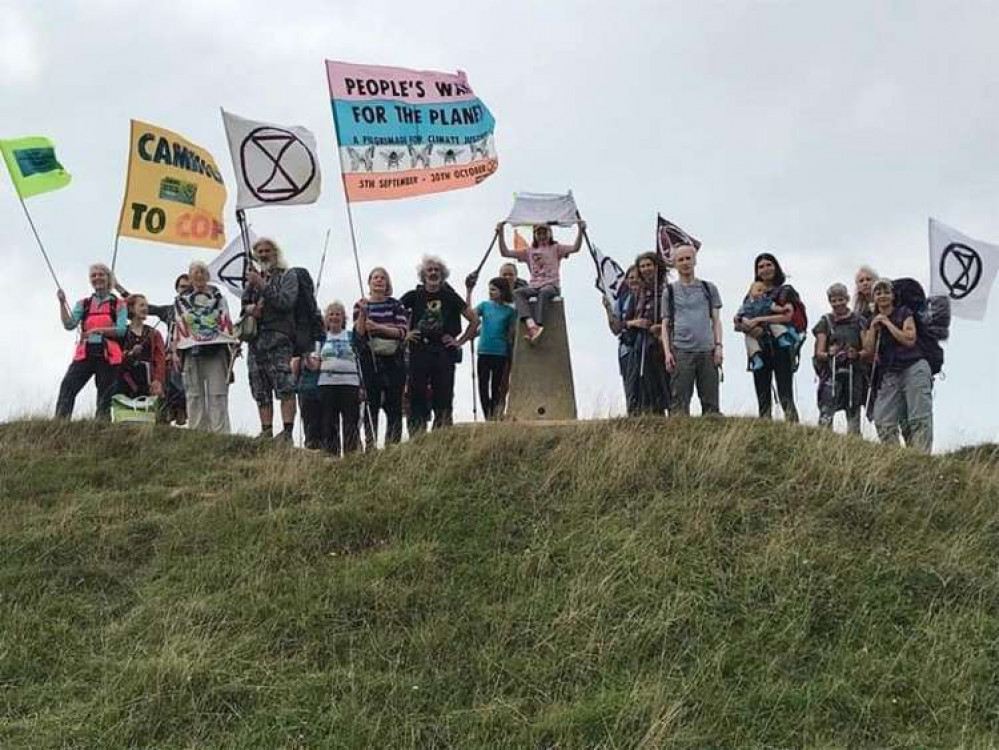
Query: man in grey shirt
[692,336]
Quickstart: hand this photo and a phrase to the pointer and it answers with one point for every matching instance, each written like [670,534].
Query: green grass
[620,584]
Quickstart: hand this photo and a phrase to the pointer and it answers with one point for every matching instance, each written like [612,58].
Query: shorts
[269,365]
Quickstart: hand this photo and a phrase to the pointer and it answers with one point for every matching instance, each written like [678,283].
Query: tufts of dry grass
[617,584]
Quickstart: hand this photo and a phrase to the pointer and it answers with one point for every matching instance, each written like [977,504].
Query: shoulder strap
[707,294]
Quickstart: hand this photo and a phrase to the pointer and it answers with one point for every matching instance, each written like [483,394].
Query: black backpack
[308,320]
[932,316]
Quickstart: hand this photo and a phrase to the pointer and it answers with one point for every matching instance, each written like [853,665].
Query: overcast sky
[826,133]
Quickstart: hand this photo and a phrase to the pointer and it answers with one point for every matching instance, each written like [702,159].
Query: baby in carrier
[759,305]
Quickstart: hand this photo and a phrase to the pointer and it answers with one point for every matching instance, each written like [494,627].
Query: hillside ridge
[618,584]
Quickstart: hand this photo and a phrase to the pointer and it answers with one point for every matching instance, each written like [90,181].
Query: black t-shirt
[435,313]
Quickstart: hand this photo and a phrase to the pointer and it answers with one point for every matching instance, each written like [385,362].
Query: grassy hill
[619,584]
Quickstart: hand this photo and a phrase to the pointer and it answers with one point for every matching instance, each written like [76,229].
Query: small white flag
[962,269]
[229,267]
[543,208]
[275,165]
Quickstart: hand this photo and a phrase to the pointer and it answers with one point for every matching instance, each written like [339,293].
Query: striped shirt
[389,312]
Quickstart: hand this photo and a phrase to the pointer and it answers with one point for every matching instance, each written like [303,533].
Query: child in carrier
[497,318]
[759,305]
[842,375]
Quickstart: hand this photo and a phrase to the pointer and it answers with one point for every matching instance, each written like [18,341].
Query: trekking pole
[475,408]
[849,399]
[869,406]
[322,263]
[364,388]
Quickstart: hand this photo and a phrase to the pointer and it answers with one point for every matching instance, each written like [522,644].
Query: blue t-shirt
[494,338]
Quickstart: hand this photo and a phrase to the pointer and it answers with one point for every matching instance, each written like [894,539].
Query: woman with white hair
[838,346]
[102,319]
[435,340]
[204,346]
[339,385]
[863,295]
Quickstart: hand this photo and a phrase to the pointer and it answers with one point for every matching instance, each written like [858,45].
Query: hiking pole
[874,369]
[364,388]
[322,262]
[475,408]
[849,399]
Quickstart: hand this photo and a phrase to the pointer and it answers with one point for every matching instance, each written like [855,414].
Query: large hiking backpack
[932,316]
[308,320]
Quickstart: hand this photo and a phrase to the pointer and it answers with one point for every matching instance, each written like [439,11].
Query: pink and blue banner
[408,132]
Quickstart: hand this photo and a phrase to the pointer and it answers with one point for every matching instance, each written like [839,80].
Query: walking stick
[475,408]
[874,369]
[475,274]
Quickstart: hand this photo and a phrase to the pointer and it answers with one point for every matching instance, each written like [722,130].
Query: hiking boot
[286,436]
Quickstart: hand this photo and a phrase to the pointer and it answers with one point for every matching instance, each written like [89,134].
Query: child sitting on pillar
[543,258]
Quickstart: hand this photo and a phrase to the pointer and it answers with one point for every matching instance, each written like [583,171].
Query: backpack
[308,320]
[932,316]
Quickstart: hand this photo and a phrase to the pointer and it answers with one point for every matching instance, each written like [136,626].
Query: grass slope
[604,585]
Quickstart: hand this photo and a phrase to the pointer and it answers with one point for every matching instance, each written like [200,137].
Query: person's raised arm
[578,244]
[473,324]
[503,249]
[70,318]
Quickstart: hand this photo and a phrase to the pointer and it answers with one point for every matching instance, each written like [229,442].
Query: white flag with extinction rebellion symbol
[275,165]
[962,269]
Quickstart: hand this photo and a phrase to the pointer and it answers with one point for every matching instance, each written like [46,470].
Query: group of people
[866,353]
[400,354]
[398,358]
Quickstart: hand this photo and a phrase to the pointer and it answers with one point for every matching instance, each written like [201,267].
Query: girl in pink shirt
[543,258]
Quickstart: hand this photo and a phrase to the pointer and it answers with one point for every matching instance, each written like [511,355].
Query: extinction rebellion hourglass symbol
[960,269]
[286,169]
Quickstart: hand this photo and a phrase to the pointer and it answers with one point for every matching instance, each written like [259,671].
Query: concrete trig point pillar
[541,385]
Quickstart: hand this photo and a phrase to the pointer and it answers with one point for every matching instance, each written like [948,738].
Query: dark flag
[669,236]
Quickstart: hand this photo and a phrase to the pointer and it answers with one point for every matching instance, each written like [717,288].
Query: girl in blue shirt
[495,332]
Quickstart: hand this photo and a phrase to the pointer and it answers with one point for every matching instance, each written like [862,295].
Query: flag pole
[322,261]
[38,239]
[121,214]
[353,239]
[485,257]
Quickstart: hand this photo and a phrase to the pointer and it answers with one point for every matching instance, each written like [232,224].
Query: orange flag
[519,243]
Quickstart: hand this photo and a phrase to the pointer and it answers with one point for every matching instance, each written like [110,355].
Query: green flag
[33,165]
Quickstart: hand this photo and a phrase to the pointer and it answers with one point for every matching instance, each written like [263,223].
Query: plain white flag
[275,165]
[543,208]
[962,269]
[229,267]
